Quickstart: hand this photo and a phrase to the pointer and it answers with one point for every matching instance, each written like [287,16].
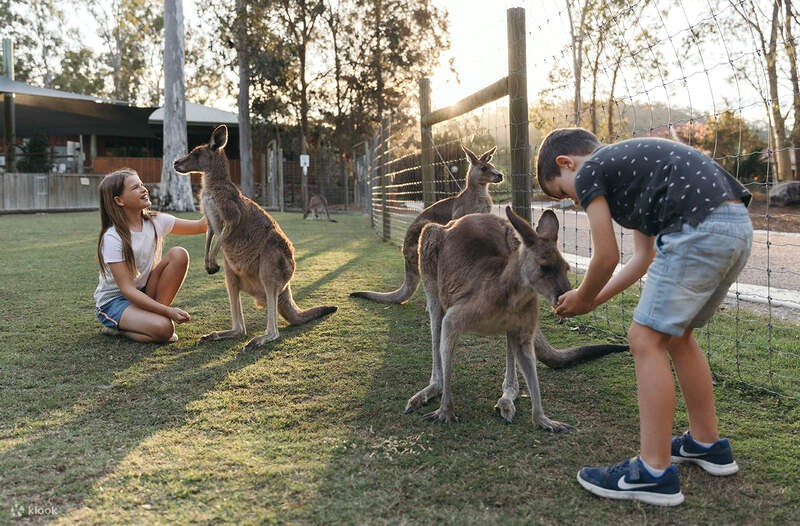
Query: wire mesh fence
[701,76]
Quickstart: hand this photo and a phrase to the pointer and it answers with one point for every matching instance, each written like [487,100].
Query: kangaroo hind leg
[272,289]
[523,346]
[233,286]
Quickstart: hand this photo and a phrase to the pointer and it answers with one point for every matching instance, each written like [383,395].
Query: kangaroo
[479,277]
[259,258]
[315,206]
[474,198]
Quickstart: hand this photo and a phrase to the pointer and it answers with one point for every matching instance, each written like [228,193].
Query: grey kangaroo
[479,277]
[315,206]
[474,198]
[259,258]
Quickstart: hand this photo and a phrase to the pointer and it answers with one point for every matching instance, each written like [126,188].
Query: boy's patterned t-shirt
[656,186]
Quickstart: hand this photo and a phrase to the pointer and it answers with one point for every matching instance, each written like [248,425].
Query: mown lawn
[310,429]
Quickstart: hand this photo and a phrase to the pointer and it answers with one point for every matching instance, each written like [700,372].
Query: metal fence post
[518,114]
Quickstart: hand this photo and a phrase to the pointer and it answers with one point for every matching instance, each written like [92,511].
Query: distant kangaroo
[479,277]
[259,258]
[315,206]
[474,198]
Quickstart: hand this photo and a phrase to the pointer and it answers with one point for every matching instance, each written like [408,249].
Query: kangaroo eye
[484,168]
[546,269]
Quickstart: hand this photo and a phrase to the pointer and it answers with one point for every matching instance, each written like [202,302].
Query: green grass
[309,429]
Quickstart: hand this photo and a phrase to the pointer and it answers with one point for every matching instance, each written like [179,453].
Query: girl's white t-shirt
[145,253]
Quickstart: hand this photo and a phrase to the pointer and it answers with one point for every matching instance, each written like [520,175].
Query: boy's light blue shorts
[693,270]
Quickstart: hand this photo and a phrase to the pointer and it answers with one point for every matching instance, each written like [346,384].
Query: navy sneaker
[630,480]
[717,459]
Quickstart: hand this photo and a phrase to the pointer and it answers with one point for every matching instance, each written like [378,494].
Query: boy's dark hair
[564,141]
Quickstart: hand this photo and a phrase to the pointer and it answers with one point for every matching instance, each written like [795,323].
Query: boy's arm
[189,226]
[605,256]
[635,268]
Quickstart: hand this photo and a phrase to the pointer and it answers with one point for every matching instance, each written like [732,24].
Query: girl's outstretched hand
[178,315]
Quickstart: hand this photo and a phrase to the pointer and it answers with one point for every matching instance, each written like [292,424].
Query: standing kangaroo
[259,258]
[315,206]
[473,199]
[479,277]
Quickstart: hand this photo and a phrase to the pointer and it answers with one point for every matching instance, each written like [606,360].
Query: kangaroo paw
[553,426]
[220,335]
[422,398]
[506,409]
[212,269]
[261,340]
[442,416]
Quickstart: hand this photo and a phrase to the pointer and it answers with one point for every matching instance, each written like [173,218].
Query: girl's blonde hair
[111,214]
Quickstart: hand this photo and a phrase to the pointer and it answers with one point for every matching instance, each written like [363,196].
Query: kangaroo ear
[473,159]
[521,226]
[547,228]
[219,137]
[486,157]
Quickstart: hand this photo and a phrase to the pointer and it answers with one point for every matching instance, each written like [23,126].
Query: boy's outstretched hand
[572,303]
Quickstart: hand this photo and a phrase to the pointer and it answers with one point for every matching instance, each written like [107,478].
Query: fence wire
[698,75]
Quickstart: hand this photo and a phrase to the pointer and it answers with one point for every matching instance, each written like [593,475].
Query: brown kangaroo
[315,206]
[479,277]
[474,198]
[259,258]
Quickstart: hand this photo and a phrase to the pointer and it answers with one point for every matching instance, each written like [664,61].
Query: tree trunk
[791,52]
[576,36]
[176,189]
[783,167]
[243,101]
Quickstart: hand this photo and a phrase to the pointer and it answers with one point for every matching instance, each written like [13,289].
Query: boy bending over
[692,236]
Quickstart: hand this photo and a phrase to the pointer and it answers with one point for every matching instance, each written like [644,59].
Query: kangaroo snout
[497,177]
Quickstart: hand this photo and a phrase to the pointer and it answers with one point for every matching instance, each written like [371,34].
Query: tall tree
[132,34]
[577,15]
[243,101]
[790,44]
[388,46]
[299,18]
[765,27]
[176,189]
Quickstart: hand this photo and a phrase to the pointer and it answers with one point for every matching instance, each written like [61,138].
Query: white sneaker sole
[718,470]
[659,499]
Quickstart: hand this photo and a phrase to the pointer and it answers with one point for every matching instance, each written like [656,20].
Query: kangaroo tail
[292,313]
[400,295]
[558,358]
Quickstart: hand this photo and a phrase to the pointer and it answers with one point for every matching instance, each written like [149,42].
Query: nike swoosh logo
[622,484]
[685,453]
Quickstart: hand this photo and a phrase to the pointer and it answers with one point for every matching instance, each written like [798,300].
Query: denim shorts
[110,312]
[693,270]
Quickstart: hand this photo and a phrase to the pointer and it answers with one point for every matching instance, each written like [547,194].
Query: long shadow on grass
[144,390]
[396,468]
[60,463]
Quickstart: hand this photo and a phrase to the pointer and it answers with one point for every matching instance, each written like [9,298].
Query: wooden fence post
[428,183]
[518,114]
[383,151]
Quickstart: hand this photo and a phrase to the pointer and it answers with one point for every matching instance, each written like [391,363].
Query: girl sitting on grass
[137,285]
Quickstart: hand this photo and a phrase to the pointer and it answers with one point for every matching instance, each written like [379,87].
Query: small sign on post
[305,160]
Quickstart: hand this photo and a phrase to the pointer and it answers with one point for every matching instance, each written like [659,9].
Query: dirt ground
[775,218]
